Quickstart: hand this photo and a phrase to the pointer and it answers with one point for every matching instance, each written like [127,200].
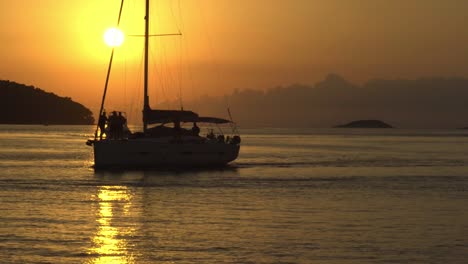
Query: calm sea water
[293,196]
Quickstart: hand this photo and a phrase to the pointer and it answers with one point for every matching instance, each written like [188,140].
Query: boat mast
[146,106]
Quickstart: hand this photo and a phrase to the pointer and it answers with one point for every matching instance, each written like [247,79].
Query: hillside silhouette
[420,103]
[21,104]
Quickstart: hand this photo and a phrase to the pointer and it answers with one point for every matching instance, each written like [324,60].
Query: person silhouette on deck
[102,125]
[113,120]
[121,120]
[195,129]
[211,135]
[125,129]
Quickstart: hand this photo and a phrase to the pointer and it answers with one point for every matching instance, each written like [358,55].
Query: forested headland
[23,104]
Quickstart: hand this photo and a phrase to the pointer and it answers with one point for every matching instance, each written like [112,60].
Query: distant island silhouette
[22,104]
[432,102]
[365,124]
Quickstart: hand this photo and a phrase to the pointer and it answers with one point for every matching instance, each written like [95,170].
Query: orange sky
[58,46]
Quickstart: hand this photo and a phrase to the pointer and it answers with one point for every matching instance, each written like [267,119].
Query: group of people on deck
[113,126]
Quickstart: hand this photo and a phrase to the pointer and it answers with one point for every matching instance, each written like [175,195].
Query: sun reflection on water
[109,242]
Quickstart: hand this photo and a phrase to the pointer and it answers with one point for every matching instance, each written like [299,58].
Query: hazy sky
[58,45]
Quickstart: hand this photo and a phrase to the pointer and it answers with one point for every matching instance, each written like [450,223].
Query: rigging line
[125,76]
[174,17]
[217,66]
[139,94]
[179,66]
[180,57]
[232,124]
[169,78]
[136,95]
[180,75]
[158,70]
[165,79]
[184,52]
[120,12]
[108,75]
[210,45]
[181,26]
[213,56]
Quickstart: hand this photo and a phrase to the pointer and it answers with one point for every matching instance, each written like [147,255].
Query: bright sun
[113,37]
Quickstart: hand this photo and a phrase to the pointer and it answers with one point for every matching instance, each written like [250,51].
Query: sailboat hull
[156,153]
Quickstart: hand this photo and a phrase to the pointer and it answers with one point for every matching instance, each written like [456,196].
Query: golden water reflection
[109,243]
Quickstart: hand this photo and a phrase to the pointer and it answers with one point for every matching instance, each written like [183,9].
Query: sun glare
[113,37]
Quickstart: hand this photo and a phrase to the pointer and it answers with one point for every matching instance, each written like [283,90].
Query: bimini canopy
[213,120]
[170,116]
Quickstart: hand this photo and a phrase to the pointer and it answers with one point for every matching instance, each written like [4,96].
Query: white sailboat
[160,145]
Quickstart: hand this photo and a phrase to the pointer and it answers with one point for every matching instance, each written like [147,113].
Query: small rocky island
[366,124]
[22,104]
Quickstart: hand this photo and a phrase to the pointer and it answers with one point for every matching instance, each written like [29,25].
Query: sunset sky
[58,45]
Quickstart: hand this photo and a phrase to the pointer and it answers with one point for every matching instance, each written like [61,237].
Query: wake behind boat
[166,143]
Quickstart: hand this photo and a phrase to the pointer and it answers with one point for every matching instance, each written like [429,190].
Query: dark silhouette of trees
[21,104]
